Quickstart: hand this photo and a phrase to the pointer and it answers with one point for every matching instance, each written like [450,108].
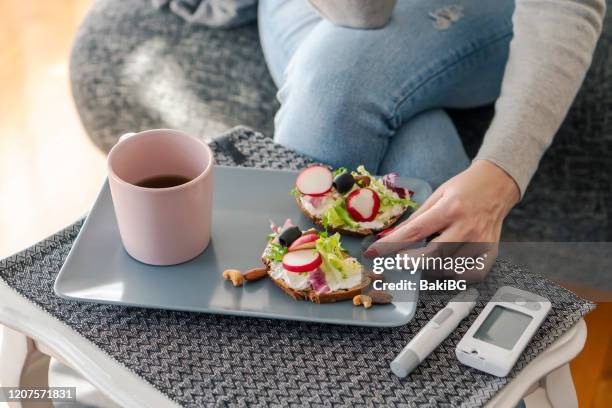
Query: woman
[376,97]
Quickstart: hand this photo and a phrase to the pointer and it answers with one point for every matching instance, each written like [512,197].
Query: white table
[547,379]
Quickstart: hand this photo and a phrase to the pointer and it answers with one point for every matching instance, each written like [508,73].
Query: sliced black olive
[344,182]
[288,235]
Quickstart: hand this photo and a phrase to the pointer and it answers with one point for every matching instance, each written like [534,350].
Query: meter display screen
[503,327]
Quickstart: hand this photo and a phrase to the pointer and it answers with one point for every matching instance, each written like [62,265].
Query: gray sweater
[550,53]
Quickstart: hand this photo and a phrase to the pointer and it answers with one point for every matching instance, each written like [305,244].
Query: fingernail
[370,253]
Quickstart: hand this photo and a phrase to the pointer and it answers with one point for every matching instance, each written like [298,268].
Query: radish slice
[307,241]
[314,181]
[363,204]
[303,260]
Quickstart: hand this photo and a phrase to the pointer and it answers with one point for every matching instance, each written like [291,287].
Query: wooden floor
[592,369]
[50,172]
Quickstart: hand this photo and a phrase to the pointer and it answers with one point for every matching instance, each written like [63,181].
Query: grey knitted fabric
[199,359]
[136,68]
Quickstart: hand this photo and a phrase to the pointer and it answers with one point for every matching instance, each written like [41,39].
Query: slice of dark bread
[309,294]
[362,232]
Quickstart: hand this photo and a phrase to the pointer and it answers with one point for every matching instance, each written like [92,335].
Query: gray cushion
[135,68]
[570,197]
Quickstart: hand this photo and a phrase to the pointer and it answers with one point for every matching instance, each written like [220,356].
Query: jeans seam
[384,145]
[276,40]
[394,118]
[267,57]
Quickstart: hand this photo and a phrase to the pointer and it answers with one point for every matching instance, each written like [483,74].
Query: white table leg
[560,389]
[558,355]
[13,356]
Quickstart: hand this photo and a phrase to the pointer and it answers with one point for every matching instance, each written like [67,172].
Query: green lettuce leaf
[339,170]
[388,199]
[294,192]
[277,251]
[334,262]
[337,216]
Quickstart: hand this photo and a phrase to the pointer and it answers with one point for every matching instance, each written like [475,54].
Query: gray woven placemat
[199,359]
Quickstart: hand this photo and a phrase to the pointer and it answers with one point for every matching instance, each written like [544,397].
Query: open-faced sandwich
[311,265]
[351,202]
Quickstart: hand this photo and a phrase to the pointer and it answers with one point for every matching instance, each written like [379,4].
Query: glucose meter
[502,330]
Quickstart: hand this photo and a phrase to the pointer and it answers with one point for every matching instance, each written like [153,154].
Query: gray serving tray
[98,269]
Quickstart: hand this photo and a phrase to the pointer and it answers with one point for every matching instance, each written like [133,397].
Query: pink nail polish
[370,253]
[386,232]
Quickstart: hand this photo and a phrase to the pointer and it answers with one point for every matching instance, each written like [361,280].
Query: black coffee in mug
[163,181]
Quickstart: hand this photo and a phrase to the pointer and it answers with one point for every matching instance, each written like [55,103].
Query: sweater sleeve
[550,52]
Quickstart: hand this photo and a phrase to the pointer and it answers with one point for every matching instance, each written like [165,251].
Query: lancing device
[434,332]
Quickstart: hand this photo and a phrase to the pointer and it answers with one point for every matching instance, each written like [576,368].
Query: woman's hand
[469,207]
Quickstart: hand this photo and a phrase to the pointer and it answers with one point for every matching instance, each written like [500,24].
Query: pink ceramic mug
[162,226]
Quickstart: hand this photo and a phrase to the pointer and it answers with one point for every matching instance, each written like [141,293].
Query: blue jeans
[376,97]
